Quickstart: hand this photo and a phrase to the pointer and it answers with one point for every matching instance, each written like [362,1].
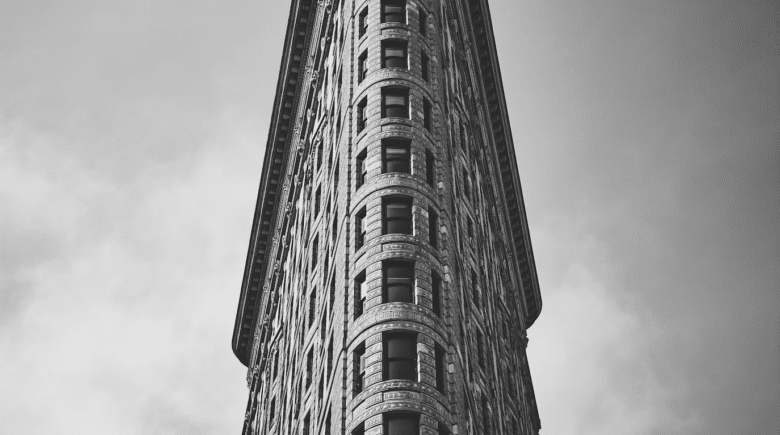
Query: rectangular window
[436,293]
[362,115]
[309,366]
[395,102]
[360,294]
[441,367]
[466,184]
[430,168]
[480,350]
[317,200]
[423,22]
[426,114]
[400,356]
[360,228]
[394,54]
[396,215]
[362,25]
[398,281]
[359,368]
[314,251]
[396,156]
[312,307]
[360,429]
[401,424]
[424,65]
[474,288]
[361,170]
[433,227]
[394,11]
[362,66]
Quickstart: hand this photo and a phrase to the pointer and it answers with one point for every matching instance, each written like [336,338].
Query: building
[390,277]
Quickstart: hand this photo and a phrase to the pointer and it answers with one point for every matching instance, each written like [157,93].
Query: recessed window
[396,156]
[423,22]
[395,102]
[360,290]
[360,228]
[401,424]
[400,356]
[396,215]
[430,168]
[360,169]
[394,11]
[433,227]
[362,66]
[398,281]
[394,54]
[362,114]
[424,65]
[426,114]
[436,293]
[362,22]
[441,367]
[359,368]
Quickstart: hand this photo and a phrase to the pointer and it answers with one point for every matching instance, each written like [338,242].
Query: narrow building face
[390,277]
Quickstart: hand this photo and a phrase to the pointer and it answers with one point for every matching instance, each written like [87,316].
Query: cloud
[119,324]
[591,356]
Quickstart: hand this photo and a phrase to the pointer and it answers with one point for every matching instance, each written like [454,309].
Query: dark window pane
[394,11]
[399,293]
[397,215]
[401,370]
[402,424]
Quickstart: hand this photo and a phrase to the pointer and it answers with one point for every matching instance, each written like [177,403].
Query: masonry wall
[303,372]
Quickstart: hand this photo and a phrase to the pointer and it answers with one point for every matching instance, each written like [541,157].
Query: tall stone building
[390,278]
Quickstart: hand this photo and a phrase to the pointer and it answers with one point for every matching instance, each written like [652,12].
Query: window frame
[398,281]
[390,61]
[405,162]
[397,202]
[398,110]
[384,14]
[410,339]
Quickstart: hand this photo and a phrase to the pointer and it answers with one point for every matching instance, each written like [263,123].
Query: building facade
[390,278]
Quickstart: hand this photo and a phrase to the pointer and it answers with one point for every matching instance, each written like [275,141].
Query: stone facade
[390,276]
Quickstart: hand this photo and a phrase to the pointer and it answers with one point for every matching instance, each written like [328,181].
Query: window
[400,356]
[360,429]
[424,65]
[398,282]
[396,156]
[309,366]
[396,215]
[362,115]
[362,66]
[430,168]
[401,424]
[317,201]
[480,350]
[395,102]
[359,368]
[362,18]
[436,293]
[394,54]
[314,251]
[360,228]
[433,227]
[360,294]
[466,184]
[361,169]
[394,11]
[441,367]
[426,114]
[312,307]
[423,22]
[474,288]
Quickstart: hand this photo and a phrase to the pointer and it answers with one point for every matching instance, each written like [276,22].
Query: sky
[648,143]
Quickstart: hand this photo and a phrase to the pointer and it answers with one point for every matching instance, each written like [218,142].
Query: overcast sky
[131,144]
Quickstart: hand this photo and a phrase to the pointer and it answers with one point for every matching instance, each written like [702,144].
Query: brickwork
[394,294]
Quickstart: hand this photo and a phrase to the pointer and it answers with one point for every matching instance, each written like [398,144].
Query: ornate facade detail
[385,277]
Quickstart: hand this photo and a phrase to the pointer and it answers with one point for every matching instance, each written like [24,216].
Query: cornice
[280,148]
